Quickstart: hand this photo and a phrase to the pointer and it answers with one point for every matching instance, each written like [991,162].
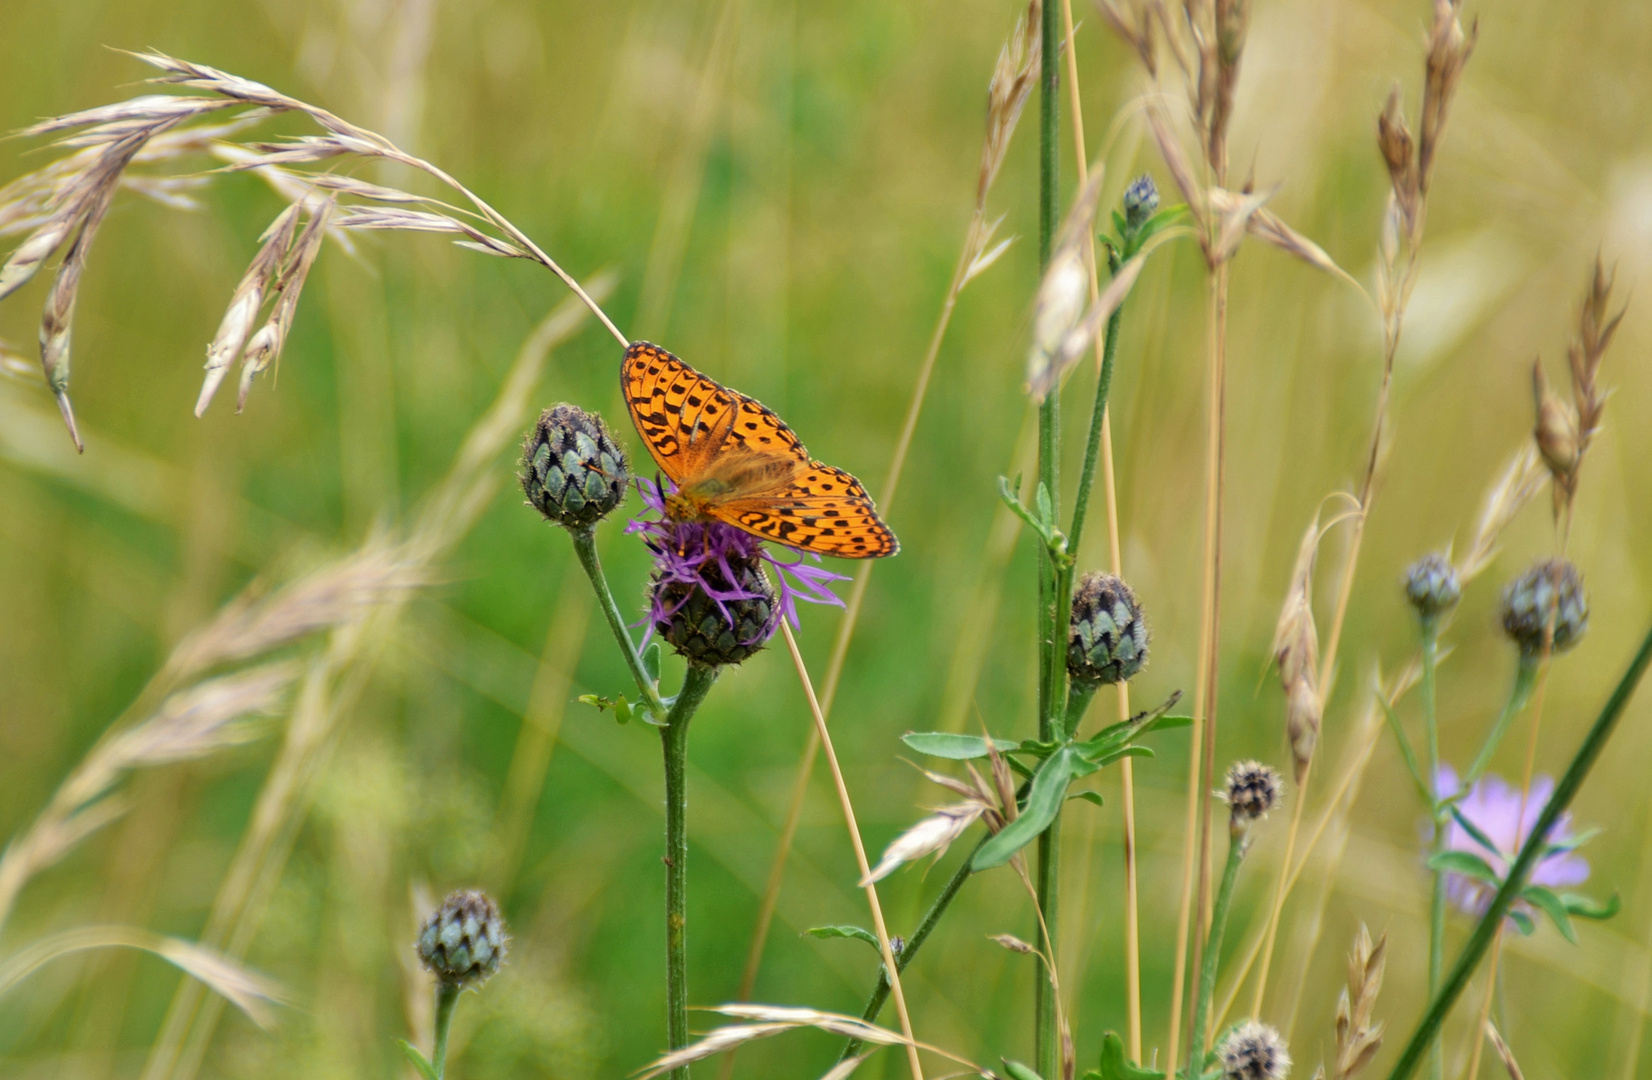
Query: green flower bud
[1107,637]
[1141,201]
[1432,586]
[572,469]
[1549,587]
[725,626]
[463,942]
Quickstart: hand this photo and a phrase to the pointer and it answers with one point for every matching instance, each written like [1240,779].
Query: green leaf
[1406,752]
[1523,923]
[1116,1066]
[1562,846]
[1110,738]
[651,661]
[1088,796]
[1049,789]
[1584,907]
[1552,906]
[1473,830]
[1019,1071]
[854,932]
[1466,863]
[426,1069]
[1046,511]
[944,744]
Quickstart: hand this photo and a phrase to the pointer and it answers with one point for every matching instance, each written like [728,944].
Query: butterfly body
[733,460]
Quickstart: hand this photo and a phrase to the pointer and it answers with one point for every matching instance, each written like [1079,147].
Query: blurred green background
[782,188]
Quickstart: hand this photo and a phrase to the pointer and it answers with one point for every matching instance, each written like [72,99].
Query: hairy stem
[880,993]
[1480,940]
[585,546]
[1437,898]
[447,996]
[674,737]
[1052,669]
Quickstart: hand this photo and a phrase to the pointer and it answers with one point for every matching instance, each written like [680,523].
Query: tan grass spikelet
[1013,79]
[1448,51]
[248,301]
[265,346]
[1358,1038]
[1511,1066]
[1521,479]
[933,835]
[1296,653]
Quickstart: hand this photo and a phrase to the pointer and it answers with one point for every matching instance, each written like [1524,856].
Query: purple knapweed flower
[1505,817]
[724,565]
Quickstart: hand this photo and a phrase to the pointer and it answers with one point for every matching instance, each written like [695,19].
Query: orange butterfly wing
[686,420]
[824,510]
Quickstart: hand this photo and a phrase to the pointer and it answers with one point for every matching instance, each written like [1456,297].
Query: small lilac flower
[725,565]
[1495,808]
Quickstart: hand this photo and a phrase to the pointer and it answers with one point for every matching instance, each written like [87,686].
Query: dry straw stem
[1013,79]
[1410,166]
[70,197]
[335,678]
[254,994]
[767,1020]
[1511,1066]
[867,882]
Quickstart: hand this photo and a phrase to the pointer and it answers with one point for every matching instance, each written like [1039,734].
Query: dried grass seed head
[1358,1037]
[463,942]
[1254,1051]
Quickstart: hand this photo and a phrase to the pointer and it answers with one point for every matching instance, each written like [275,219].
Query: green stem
[1237,844]
[1052,597]
[1437,899]
[1480,940]
[585,546]
[447,996]
[674,737]
[1079,696]
[880,993]
[1092,449]
[1525,677]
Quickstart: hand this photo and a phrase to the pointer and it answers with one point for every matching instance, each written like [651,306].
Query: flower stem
[1079,695]
[1437,899]
[880,993]
[1213,951]
[674,737]
[1052,669]
[1480,940]
[585,546]
[1525,677]
[447,996]
[1092,449]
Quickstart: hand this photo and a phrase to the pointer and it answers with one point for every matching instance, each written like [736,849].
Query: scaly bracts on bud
[1107,636]
[1552,589]
[1250,790]
[463,942]
[573,471]
[1433,586]
[1254,1051]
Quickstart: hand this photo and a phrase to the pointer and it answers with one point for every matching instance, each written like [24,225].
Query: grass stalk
[1577,771]
[848,806]
[674,739]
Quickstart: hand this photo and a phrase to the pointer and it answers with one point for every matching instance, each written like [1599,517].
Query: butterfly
[733,460]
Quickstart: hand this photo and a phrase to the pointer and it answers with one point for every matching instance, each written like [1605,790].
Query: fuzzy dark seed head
[572,469]
[1251,790]
[1107,637]
[710,631]
[1432,585]
[463,942]
[1254,1051]
[1141,201]
[1549,587]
